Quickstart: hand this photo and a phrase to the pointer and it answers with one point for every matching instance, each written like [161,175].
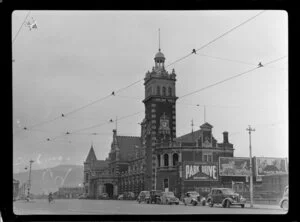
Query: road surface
[75,206]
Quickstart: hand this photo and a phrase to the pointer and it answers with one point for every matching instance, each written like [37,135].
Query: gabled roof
[91,156]
[206,125]
[126,145]
[190,137]
[100,164]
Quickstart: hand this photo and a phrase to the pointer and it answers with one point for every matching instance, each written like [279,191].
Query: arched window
[158,90]
[175,159]
[164,91]
[166,160]
[170,91]
[158,160]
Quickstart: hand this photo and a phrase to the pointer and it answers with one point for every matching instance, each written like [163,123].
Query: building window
[207,158]
[164,91]
[175,159]
[87,177]
[166,160]
[170,91]
[158,90]
[166,183]
[158,160]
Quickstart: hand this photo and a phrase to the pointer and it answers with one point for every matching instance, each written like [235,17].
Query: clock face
[164,123]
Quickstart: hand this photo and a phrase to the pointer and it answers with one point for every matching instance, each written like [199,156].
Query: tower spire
[159,39]
[204,114]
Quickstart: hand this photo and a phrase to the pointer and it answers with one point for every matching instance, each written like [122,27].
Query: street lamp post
[249,129]
[29,180]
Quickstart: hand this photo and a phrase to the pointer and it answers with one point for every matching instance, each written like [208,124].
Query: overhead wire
[20,27]
[215,39]
[119,90]
[230,78]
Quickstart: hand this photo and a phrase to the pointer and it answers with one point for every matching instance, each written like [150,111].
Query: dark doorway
[109,189]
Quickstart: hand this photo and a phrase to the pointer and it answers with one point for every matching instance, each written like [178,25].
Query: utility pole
[249,129]
[29,180]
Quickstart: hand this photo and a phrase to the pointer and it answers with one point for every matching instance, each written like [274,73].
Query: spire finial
[116,123]
[204,114]
[192,124]
[159,39]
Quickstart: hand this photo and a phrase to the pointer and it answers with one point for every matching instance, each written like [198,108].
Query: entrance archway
[109,188]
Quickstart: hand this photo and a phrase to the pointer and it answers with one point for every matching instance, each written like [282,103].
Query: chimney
[225,137]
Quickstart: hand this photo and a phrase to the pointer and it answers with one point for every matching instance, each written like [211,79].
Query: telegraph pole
[29,181]
[249,129]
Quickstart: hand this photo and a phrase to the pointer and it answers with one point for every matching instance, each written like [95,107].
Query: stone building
[69,192]
[158,159]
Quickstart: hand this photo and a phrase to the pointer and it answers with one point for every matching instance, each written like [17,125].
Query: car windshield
[170,194]
[228,191]
[193,194]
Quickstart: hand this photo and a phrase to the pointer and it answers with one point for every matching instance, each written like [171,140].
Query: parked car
[155,196]
[144,196]
[121,197]
[169,198]
[194,198]
[82,196]
[129,196]
[103,196]
[226,197]
[284,202]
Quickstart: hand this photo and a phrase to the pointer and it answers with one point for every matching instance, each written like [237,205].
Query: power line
[225,59]
[215,39]
[113,93]
[94,126]
[20,27]
[227,79]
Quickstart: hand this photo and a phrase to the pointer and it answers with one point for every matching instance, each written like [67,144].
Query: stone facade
[155,159]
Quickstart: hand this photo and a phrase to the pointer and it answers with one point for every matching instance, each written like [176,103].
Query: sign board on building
[270,166]
[197,171]
[234,166]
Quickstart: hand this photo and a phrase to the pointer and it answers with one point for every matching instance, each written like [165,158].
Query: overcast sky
[77,57]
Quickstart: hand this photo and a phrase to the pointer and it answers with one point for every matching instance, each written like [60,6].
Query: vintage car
[284,202]
[82,196]
[194,198]
[155,196]
[169,198]
[121,197]
[129,196]
[144,196]
[226,197]
[103,196]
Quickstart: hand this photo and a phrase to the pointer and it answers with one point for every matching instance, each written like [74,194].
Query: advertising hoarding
[196,171]
[234,166]
[270,166]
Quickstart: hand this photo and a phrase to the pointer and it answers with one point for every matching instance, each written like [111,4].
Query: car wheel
[176,203]
[227,203]
[195,203]
[167,202]
[285,205]
[243,205]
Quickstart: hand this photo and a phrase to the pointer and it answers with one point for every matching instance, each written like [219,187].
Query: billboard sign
[234,166]
[197,171]
[270,166]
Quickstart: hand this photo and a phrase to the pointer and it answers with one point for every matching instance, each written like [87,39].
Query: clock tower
[159,124]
